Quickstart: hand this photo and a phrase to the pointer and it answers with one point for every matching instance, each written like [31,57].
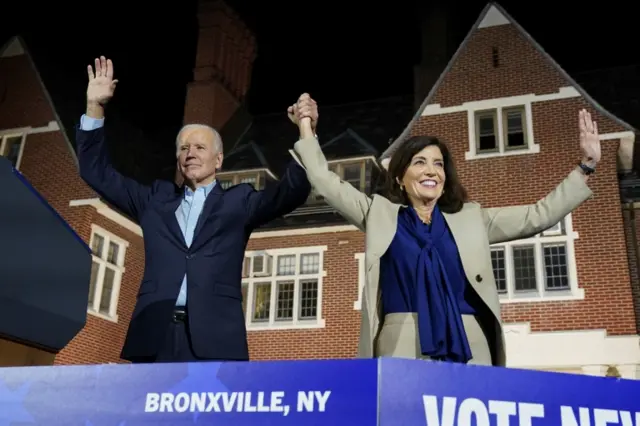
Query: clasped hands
[304,114]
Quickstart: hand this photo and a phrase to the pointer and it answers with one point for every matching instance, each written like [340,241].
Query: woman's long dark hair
[454,195]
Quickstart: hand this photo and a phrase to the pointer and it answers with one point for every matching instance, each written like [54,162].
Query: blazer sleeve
[517,222]
[276,200]
[352,204]
[124,193]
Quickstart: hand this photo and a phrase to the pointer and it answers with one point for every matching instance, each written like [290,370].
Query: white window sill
[286,325]
[560,296]
[103,316]
[533,149]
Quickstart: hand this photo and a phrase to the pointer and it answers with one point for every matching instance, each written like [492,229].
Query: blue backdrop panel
[45,268]
[438,394]
[250,393]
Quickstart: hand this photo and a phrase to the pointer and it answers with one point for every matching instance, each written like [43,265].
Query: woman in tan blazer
[430,292]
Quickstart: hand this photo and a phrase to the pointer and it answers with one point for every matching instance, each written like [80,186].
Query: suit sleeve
[517,222]
[276,200]
[351,203]
[96,170]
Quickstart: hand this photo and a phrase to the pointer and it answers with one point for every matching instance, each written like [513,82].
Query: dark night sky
[339,51]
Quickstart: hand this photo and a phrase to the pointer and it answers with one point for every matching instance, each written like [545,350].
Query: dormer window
[357,172]
[257,179]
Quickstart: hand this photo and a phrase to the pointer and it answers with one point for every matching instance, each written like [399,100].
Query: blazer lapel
[212,204]
[168,214]
[458,225]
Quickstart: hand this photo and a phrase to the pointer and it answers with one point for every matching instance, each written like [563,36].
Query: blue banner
[386,392]
[439,394]
[333,392]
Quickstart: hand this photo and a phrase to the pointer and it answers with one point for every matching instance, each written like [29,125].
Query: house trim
[106,211]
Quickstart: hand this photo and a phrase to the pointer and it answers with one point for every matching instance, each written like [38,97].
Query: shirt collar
[207,189]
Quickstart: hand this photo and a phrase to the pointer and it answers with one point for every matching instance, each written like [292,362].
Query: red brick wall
[47,162]
[600,250]
[631,215]
[339,337]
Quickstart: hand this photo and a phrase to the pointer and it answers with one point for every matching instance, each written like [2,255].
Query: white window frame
[337,166]
[119,269]
[362,277]
[236,177]
[498,109]
[6,134]
[272,324]
[553,235]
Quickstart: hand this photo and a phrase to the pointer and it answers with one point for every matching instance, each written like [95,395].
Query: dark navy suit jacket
[213,263]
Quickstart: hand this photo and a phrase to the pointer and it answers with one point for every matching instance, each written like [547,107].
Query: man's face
[198,158]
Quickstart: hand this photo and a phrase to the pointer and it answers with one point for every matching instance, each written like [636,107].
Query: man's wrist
[95,110]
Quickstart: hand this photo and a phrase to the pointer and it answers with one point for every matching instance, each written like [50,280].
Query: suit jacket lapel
[212,204]
[168,209]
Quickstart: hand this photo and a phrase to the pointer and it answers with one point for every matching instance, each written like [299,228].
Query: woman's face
[424,179]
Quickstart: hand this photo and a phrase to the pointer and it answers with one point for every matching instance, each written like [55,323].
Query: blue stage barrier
[382,392]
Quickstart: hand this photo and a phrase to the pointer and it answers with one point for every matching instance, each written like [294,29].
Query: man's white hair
[217,139]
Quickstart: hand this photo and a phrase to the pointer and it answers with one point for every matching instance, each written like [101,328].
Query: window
[501,131]
[283,288]
[106,273]
[514,136]
[255,179]
[357,173]
[539,268]
[11,147]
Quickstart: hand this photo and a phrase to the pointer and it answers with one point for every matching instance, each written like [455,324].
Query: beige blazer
[474,229]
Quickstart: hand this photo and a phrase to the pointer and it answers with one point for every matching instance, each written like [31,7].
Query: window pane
[515,128]
[95,267]
[486,133]
[112,256]
[244,290]
[555,267]
[246,267]
[310,263]
[486,125]
[107,291]
[225,183]
[524,268]
[287,265]
[351,174]
[308,299]
[97,245]
[499,271]
[285,300]
[261,302]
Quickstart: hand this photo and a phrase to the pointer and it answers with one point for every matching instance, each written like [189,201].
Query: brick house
[304,272]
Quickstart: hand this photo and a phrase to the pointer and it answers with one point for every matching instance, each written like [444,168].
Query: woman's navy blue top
[422,272]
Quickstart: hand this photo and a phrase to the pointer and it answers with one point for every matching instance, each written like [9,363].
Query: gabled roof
[348,144]
[492,15]
[354,129]
[16,46]
[247,157]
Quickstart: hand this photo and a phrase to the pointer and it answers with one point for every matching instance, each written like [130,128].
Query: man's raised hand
[101,83]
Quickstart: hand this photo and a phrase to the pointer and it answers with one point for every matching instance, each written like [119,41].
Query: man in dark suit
[190,302]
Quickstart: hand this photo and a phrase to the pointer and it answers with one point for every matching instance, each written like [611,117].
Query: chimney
[224,60]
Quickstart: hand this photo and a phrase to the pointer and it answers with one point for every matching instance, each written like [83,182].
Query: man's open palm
[101,83]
